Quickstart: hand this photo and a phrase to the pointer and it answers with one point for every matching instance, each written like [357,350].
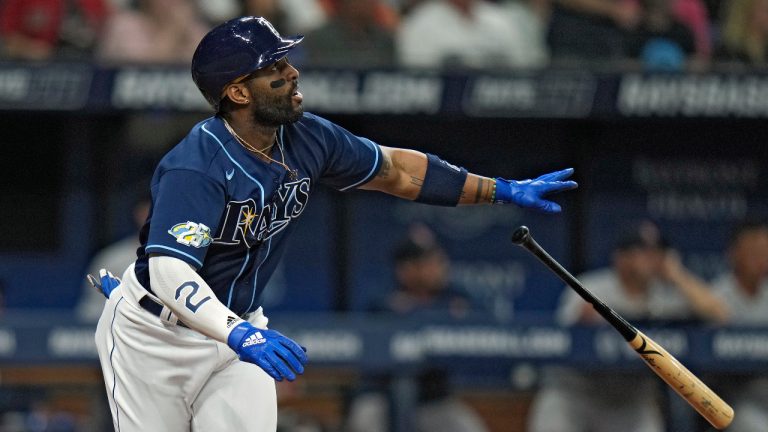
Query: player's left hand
[529,193]
[106,283]
[279,356]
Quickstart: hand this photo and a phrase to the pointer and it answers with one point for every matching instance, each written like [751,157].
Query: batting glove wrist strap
[529,193]
[279,356]
[238,334]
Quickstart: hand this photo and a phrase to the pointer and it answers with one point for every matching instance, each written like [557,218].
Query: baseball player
[182,341]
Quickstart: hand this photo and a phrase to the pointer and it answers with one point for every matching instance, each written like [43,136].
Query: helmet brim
[279,51]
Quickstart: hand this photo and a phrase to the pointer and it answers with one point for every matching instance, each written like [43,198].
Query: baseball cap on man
[644,234]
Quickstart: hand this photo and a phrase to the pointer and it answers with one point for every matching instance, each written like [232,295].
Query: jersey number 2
[188,300]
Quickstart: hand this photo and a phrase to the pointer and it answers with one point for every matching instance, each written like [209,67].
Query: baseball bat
[718,413]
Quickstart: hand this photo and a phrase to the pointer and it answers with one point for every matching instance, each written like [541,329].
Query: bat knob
[521,235]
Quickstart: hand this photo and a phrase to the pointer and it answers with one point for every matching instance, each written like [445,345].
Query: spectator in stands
[661,42]
[695,16]
[715,8]
[352,38]
[406,6]
[288,16]
[469,34]
[584,31]
[42,29]
[269,9]
[156,31]
[607,30]
[422,277]
[530,18]
[218,11]
[744,289]
[540,8]
[646,282]
[386,12]
[117,255]
[744,32]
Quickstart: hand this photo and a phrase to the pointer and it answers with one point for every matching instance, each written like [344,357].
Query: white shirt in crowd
[437,34]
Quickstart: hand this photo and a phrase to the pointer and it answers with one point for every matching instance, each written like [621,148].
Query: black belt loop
[155,308]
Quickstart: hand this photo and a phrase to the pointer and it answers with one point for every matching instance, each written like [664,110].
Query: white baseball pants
[167,378]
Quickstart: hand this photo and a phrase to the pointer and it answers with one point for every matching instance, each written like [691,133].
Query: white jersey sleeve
[183,291]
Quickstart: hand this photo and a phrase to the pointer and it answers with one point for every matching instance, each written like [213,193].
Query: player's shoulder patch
[191,234]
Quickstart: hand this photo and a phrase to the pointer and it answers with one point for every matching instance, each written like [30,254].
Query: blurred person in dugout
[744,289]
[646,282]
[421,270]
[153,31]
[118,255]
[422,279]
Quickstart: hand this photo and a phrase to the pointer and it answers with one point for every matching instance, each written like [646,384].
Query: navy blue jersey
[228,213]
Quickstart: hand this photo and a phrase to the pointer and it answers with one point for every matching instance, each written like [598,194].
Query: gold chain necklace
[291,172]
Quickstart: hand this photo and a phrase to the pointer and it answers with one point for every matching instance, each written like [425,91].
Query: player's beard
[275,110]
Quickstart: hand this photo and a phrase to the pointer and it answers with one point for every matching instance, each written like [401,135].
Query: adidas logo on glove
[254,339]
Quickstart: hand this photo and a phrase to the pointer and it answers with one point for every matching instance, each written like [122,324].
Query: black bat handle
[522,237]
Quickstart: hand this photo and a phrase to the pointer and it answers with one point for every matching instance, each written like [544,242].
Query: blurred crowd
[490,34]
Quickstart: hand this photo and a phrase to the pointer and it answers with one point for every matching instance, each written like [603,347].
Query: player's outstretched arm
[183,291]
[426,178]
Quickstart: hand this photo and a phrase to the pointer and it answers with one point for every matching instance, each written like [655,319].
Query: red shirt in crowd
[41,19]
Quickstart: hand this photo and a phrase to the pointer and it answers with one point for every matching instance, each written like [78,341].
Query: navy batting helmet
[234,49]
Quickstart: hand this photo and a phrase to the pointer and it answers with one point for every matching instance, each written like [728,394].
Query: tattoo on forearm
[417,181]
[479,193]
[386,166]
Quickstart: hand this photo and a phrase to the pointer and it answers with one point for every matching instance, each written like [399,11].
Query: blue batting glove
[268,349]
[529,193]
[107,284]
